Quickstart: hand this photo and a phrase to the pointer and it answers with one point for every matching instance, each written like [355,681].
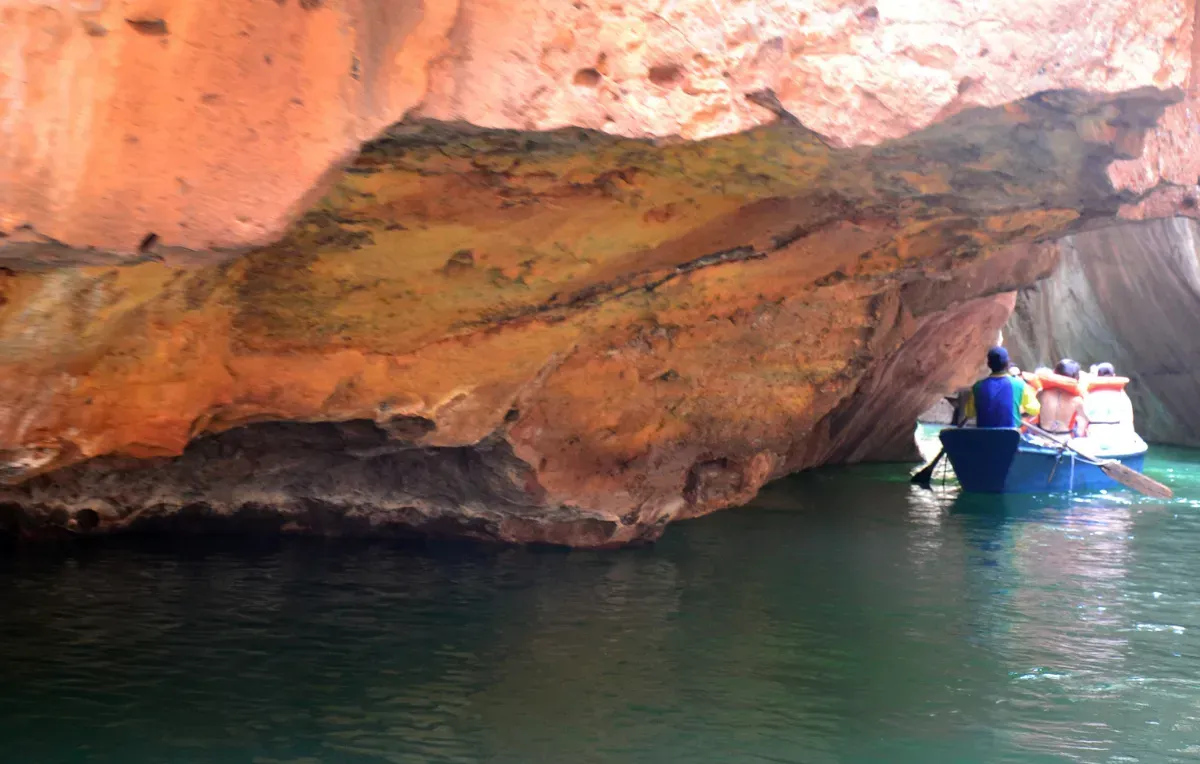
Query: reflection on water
[846,617]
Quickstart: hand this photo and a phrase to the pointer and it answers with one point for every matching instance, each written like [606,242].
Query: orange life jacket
[1107,383]
[1052,381]
[1032,380]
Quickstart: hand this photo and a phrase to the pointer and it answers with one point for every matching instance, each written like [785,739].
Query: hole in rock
[461,261]
[148,242]
[148,26]
[665,75]
[408,428]
[86,520]
[588,78]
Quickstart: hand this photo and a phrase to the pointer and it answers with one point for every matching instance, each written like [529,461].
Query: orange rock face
[206,124]
[212,125]
[587,336]
[784,231]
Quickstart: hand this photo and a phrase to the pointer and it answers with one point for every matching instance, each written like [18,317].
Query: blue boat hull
[987,460]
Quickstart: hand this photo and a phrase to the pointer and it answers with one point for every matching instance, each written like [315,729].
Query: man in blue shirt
[1000,399]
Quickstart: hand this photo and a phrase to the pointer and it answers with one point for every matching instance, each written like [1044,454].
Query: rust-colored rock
[211,125]
[208,124]
[1165,174]
[587,336]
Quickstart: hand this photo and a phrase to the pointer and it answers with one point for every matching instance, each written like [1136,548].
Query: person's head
[1014,371]
[1105,370]
[997,360]
[1067,368]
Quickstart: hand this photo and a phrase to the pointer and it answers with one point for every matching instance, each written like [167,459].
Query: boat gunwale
[1029,447]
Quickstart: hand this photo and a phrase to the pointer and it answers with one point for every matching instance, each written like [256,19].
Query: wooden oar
[926,474]
[1126,476]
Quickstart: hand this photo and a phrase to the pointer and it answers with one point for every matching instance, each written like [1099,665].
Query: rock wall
[211,125]
[1125,294]
[600,268]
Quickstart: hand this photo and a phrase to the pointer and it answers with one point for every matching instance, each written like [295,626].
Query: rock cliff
[595,267]
[1125,294]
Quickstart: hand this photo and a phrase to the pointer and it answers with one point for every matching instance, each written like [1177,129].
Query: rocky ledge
[517,330]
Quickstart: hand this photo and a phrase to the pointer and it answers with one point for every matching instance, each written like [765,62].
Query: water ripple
[847,617]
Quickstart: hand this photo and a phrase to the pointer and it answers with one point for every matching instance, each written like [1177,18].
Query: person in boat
[1107,406]
[999,399]
[1027,377]
[1062,404]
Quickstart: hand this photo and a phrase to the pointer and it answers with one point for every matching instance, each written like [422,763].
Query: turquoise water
[845,617]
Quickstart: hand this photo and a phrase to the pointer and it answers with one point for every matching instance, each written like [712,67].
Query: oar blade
[1131,478]
[925,475]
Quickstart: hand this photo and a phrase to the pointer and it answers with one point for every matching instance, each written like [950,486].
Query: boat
[1003,460]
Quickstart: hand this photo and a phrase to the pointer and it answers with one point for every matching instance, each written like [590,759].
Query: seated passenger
[1061,401]
[1027,377]
[1107,406]
[1000,399]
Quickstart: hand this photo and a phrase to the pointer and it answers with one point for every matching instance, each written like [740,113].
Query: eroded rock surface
[652,331]
[1127,294]
[210,125]
[602,266]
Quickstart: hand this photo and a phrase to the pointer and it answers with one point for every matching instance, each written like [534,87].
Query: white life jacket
[1108,406]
